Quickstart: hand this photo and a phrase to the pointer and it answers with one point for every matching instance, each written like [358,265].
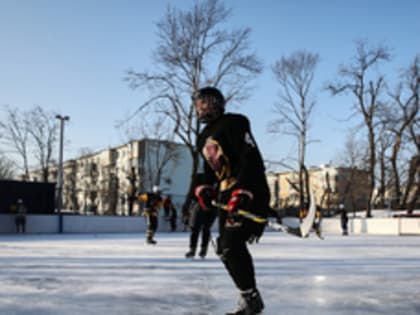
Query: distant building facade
[331,185]
[109,181]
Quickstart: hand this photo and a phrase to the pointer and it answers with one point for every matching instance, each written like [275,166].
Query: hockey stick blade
[301,231]
[305,226]
[308,221]
[285,228]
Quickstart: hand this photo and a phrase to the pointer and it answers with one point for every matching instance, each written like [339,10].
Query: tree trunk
[372,161]
[382,180]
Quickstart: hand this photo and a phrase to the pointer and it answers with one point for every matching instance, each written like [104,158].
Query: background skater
[201,220]
[152,201]
[20,218]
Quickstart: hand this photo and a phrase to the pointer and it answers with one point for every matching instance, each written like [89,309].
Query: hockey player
[235,171]
[344,219]
[153,201]
[167,206]
[20,219]
[201,220]
[170,212]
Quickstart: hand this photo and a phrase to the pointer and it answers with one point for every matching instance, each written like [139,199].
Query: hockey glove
[205,195]
[239,199]
[257,232]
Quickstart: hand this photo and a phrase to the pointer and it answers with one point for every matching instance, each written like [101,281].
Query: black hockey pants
[233,250]
[201,220]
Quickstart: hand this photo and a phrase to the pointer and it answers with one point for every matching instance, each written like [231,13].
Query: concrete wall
[120,224]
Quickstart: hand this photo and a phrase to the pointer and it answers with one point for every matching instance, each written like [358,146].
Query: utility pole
[60,173]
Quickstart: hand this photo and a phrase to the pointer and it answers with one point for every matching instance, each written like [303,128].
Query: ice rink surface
[117,274]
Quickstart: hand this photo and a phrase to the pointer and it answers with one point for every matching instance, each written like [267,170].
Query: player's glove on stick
[205,195]
[257,232]
[239,199]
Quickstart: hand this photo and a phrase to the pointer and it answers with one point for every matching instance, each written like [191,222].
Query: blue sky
[71,57]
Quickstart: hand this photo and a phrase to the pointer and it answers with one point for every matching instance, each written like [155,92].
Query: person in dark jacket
[344,220]
[200,220]
[20,218]
[167,206]
[234,172]
[173,217]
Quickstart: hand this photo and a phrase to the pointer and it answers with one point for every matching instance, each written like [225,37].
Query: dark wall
[39,198]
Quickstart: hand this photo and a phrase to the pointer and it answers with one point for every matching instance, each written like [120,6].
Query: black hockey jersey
[233,159]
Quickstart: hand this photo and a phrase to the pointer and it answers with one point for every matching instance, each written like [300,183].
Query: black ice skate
[250,303]
[203,252]
[151,241]
[190,253]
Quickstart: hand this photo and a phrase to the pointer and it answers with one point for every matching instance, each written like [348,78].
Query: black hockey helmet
[215,103]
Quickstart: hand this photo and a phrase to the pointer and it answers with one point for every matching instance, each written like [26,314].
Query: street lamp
[60,173]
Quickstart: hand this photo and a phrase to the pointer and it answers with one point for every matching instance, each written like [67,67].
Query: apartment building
[108,181]
[331,185]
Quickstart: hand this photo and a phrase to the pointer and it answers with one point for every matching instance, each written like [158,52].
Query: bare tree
[384,143]
[354,158]
[43,129]
[414,175]
[162,149]
[195,50]
[397,118]
[406,99]
[161,152]
[326,195]
[14,133]
[414,169]
[6,167]
[367,91]
[34,130]
[295,75]
[354,152]
[85,151]
[414,135]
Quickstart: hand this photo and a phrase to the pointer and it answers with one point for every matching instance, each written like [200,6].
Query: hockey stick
[243,213]
[301,231]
